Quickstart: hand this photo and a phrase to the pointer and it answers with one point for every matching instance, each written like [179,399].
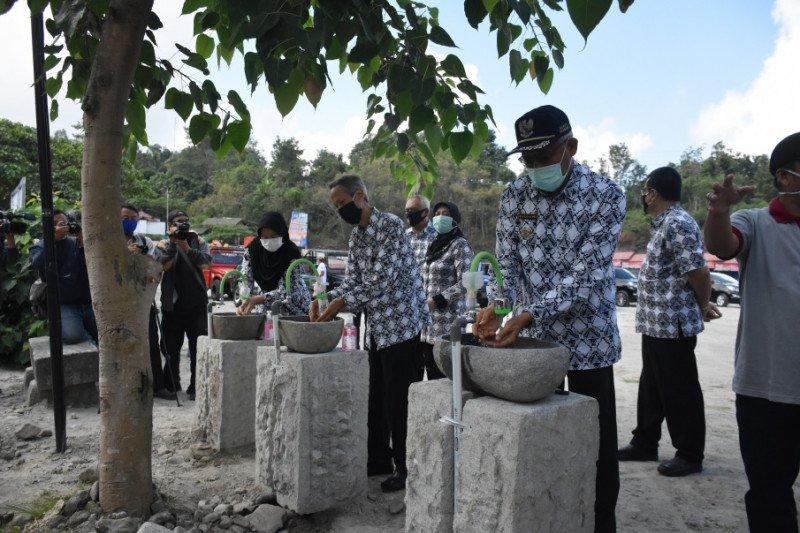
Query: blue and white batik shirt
[383,279]
[420,242]
[667,306]
[556,255]
[298,303]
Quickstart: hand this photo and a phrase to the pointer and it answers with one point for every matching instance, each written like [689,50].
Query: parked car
[223,260]
[337,264]
[724,289]
[627,289]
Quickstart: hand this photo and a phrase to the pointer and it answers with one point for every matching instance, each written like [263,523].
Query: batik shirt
[443,283]
[420,242]
[298,303]
[383,280]
[667,305]
[556,255]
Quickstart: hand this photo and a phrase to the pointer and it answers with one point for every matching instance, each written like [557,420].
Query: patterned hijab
[438,247]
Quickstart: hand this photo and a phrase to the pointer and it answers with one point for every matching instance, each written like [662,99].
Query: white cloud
[754,120]
[594,140]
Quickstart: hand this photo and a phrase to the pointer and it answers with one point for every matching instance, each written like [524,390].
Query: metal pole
[51,269]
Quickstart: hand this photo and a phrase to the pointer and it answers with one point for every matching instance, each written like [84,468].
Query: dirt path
[712,501]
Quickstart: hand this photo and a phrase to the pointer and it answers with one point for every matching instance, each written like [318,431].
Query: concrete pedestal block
[311,427]
[226,392]
[528,467]
[429,449]
[81,371]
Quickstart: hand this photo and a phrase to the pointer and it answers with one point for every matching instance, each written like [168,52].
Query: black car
[627,289]
[724,289]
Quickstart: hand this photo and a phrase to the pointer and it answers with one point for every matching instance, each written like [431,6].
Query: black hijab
[438,247]
[269,267]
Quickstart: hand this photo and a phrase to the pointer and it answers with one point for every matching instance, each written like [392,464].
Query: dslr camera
[74,222]
[11,222]
[182,231]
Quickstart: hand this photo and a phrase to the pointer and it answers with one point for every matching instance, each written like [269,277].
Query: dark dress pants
[669,388]
[391,371]
[428,362]
[175,324]
[598,383]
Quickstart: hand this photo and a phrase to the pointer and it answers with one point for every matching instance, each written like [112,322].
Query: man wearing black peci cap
[766,379]
[557,230]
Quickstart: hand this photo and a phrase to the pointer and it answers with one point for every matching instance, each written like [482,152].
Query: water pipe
[288,277]
[471,280]
[234,271]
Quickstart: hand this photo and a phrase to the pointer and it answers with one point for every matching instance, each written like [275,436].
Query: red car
[223,260]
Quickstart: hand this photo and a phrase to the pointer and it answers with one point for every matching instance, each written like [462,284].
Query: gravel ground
[648,502]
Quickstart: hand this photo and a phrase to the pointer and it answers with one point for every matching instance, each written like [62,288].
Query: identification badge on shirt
[526,221]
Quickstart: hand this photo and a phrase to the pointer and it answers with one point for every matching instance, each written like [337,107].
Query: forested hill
[247,184]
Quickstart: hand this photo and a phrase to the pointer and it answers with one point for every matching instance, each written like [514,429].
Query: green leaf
[475,12]
[624,5]
[558,57]
[460,143]
[587,14]
[433,134]
[528,44]
[190,6]
[503,41]
[489,5]
[197,95]
[53,110]
[518,67]
[236,101]
[51,62]
[211,95]
[546,81]
[179,101]
[448,117]
[364,77]
[199,127]
[286,97]
[204,45]
[402,142]
[441,37]
[420,118]
[238,134]
[253,67]
[479,140]
[453,66]
[135,116]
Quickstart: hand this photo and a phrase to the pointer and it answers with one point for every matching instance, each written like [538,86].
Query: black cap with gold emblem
[541,128]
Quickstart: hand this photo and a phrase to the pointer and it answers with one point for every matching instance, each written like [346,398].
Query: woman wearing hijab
[447,258]
[264,266]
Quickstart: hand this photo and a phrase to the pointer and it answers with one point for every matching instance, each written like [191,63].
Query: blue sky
[667,75]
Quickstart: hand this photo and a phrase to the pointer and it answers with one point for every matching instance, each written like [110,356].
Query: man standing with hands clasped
[557,230]
[383,280]
[766,379]
[674,300]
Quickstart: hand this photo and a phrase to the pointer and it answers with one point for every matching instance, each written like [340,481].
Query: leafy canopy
[418,102]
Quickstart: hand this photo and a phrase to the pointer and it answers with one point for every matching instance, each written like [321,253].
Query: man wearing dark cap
[674,301]
[557,230]
[183,295]
[766,378]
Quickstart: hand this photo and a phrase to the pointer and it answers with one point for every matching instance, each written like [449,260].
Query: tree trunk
[123,284]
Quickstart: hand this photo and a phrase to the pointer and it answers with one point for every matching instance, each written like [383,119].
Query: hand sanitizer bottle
[349,335]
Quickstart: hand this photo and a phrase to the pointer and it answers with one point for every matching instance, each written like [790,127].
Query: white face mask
[272,245]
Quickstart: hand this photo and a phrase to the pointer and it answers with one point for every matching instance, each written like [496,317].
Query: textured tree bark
[122,284]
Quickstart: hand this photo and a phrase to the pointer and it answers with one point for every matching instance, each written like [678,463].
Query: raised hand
[726,194]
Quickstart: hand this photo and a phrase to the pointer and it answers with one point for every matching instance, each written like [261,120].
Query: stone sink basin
[230,326]
[302,336]
[526,371]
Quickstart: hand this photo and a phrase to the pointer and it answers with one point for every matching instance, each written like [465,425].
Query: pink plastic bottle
[269,333]
[349,335]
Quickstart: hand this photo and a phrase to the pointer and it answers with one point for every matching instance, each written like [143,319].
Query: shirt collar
[781,214]
[657,221]
[373,220]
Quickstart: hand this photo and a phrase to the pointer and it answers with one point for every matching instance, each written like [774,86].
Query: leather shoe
[165,394]
[379,469]
[679,467]
[632,453]
[393,483]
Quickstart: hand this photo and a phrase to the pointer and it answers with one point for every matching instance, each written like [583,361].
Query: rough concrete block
[32,396]
[528,467]
[226,392]
[29,376]
[81,363]
[429,448]
[311,427]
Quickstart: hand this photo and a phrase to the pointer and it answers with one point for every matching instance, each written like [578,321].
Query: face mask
[548,178]
[129,226]
[350,213]
[443,224]
[272,245]
[791,193]
[415,217]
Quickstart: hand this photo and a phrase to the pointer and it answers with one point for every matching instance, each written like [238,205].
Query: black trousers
[669,388]
[175,324]
[391,371]
[155,351]
[428,363]
[769,437]
[598,383]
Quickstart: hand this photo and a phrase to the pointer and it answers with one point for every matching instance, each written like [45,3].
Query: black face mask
[350,213]
[415,217]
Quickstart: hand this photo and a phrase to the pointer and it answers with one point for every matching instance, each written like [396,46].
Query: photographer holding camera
[183,295]
[10,226]
[77,317]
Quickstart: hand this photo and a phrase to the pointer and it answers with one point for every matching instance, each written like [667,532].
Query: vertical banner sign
[298,229]
[18,196]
